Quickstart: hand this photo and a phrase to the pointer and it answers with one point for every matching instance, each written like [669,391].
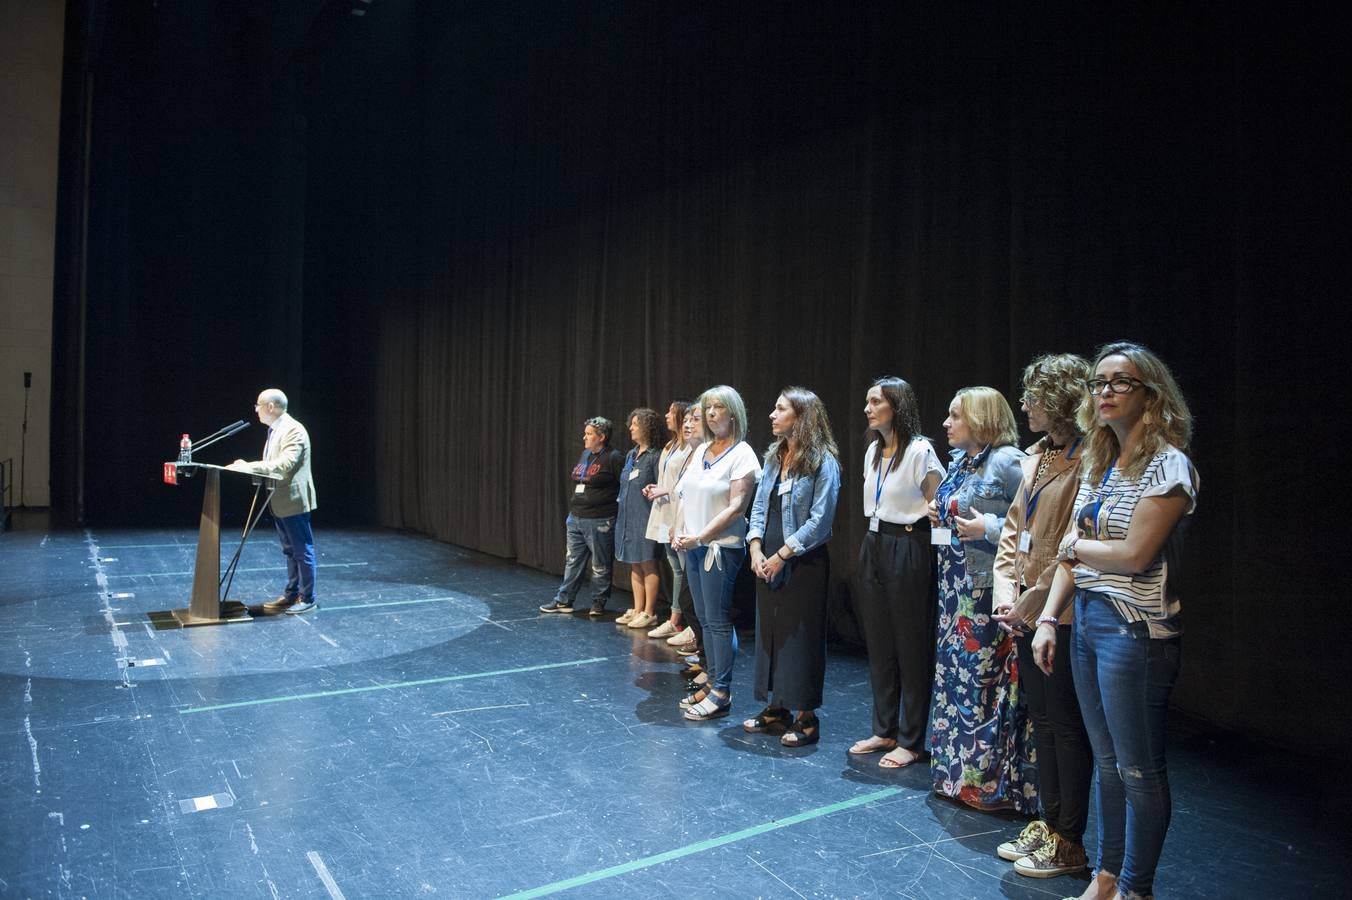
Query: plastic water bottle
[184,451]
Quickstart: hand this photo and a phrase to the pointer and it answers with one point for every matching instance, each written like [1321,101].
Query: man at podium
[286,455]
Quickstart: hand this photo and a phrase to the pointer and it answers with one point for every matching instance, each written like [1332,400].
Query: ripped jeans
[589,541]
[1124,679]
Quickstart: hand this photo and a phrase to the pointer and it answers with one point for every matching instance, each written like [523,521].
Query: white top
[662,519]
[705,492]
[1146,596]
[902,501]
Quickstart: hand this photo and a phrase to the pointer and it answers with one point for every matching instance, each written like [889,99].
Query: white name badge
[1025,542]
[785,487]
[872,523]
[941,537]
[634,473]
[580,488]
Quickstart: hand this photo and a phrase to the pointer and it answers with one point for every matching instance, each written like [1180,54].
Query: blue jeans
[589,540]
[712,593]
[1124,679]
[298,546]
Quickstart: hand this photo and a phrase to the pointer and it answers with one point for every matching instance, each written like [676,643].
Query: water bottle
[184,451]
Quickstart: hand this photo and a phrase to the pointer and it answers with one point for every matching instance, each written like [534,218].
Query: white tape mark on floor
[323,872]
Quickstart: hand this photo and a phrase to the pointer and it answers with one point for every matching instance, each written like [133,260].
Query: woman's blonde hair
[1055,383]
[729,399]
[811,431]
[1166,417]
[988,416]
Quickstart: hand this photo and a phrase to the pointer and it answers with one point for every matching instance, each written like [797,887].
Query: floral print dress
[981,747]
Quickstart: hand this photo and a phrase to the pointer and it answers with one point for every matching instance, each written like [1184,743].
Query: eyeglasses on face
[1119,385]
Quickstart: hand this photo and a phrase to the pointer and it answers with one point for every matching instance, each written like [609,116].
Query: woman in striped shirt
[1119,557]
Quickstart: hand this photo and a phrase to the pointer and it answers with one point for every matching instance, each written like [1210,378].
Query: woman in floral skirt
[980,735]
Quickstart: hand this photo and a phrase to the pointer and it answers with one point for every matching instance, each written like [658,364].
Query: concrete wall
[30,108]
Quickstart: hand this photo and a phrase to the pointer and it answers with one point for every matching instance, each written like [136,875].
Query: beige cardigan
[1024,579]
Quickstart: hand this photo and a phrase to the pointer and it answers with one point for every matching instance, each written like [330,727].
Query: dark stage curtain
[519,215]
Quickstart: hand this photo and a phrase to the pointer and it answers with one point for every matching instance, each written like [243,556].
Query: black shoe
[557,606]
[598,609]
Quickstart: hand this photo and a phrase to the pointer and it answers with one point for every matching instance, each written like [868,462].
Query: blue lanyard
[882,476]
[1098,502]
[710,465]
[1030,503]
[582,476]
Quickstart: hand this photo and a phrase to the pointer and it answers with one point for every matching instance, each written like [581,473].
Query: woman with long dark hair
[1120,560]
[790,525]
[892,584]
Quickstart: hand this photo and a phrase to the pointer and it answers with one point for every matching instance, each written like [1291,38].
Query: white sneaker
[682,637]
[642,620]
[666,629]
[624,617]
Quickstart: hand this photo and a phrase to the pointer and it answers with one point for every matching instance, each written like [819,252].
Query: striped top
[1147,596]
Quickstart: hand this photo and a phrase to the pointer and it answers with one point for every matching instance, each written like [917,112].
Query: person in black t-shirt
[590,525]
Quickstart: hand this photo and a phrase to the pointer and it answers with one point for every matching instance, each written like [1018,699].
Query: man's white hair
[275,397]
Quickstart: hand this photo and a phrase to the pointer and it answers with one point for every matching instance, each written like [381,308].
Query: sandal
[708,708]
[693,699]
[872,745]
[772,719]
[897,758]
[805,730]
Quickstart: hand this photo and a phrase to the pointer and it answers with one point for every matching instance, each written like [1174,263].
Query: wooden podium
[207,606]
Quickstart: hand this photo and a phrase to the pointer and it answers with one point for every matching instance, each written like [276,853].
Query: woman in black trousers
[893,584]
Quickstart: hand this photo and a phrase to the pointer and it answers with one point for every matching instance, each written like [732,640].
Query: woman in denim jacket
[980,735]
[790,525]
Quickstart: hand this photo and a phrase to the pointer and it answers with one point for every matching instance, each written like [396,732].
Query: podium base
[232,613]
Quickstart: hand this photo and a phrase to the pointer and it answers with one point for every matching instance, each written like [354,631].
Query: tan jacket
[287,454]
[1033,571]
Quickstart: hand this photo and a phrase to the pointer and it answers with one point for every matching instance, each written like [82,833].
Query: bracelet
[1049,620]
[780,554]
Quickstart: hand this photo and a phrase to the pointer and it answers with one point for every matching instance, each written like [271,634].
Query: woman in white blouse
[892,593]
[715,492]
[1120,559]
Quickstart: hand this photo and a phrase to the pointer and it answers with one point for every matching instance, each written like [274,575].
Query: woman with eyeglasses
[790,525]
[1119,558]
[979,734]
[715,492]
[1024,566]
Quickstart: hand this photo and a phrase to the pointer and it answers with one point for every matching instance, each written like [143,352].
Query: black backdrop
[452,234]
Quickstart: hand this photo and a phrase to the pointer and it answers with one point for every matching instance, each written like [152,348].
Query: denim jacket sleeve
[1006,472]
[756,530]
[816,527]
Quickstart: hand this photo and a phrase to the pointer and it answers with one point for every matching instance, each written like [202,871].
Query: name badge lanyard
[1030,502]
[1098,501]
[709,465]
[586,467]
[948,511]
[882,476]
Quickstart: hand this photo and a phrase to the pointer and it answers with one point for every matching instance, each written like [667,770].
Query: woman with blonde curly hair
[1120,559]
[979,734]
[790,525]
[1024,566]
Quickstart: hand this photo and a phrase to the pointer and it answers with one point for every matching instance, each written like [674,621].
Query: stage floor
[426,732]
